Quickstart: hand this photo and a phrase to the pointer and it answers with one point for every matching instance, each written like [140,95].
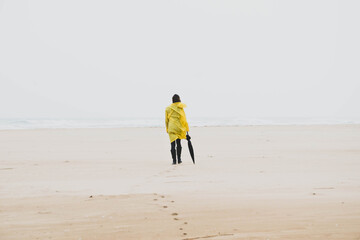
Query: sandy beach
[249,182]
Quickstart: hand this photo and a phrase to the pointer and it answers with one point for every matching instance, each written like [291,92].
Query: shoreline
[206,126]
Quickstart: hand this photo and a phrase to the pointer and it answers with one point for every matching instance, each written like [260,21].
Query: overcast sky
[113,59]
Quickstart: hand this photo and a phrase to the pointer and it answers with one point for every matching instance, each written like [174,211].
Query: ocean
[157,122]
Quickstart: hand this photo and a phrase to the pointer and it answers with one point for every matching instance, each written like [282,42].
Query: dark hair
[176,98]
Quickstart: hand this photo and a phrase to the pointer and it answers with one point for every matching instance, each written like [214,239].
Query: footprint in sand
[175,214]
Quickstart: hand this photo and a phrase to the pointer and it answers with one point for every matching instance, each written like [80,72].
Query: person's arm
[186,123]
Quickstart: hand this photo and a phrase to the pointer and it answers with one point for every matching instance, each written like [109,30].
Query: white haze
[257,59]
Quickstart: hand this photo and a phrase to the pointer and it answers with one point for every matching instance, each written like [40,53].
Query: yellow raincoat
[175,121]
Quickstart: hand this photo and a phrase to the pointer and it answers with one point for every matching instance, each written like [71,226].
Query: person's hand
[188,137]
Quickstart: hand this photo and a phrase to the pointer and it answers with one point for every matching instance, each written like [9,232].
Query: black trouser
[176,151]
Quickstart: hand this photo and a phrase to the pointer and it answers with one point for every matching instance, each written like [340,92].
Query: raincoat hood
[179,105]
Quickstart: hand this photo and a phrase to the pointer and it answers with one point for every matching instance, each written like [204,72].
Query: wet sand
[251,182]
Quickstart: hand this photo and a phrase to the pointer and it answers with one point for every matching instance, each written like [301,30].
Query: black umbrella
[191,149]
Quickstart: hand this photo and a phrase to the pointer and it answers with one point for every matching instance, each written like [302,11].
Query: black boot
[178,149]
[173,155]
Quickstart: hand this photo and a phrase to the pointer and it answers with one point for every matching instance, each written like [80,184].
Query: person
[176,126]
